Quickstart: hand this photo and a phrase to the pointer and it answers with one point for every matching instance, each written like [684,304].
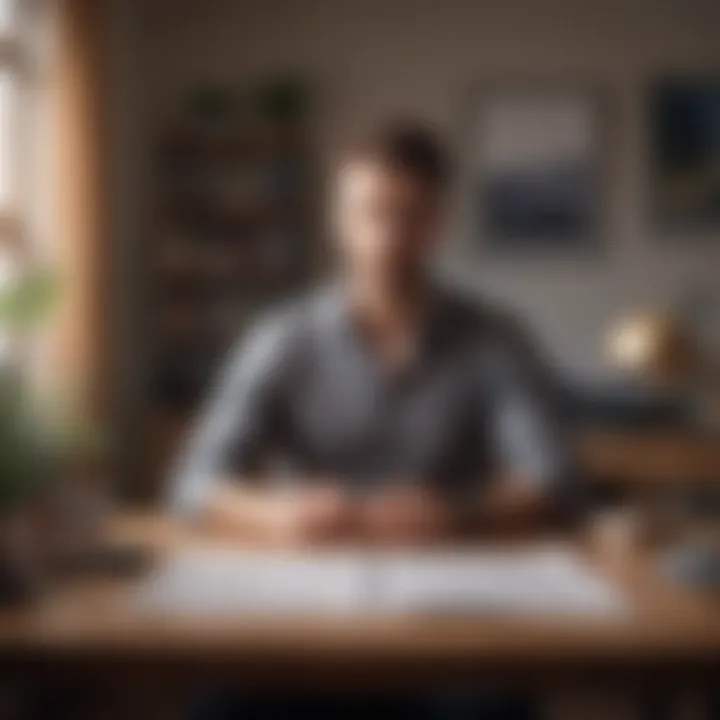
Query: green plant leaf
[26,303]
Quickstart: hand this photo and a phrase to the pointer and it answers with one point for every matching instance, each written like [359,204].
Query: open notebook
[552,580]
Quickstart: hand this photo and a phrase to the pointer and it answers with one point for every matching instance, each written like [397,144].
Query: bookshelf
[232,235]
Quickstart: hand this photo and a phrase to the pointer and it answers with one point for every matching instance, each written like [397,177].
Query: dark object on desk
[123,561]
[620,407]
[17,586]
[694,565]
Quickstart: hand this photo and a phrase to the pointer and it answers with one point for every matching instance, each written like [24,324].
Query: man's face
[387,223]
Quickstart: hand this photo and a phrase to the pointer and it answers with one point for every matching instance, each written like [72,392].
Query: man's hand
[405,516]
[308,516]
[304,516]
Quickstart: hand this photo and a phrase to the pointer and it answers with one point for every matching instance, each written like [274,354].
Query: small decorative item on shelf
[282,100]
[281,104]
[177,256]
[211,110]
[241,191]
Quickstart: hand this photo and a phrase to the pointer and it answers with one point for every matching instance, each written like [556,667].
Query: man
[384,409]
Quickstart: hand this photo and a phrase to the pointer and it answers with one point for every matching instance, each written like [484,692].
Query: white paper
[550,581]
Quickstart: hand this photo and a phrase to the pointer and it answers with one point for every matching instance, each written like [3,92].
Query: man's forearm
[235,507]
[320,511]
[420,516]
[241,509]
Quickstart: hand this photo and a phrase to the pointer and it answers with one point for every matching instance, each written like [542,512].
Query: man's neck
[390,317]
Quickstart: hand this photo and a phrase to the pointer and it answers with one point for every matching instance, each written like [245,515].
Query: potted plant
[25,469]
[28,441]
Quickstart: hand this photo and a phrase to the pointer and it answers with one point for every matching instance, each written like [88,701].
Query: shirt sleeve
[235,429]
[526,431]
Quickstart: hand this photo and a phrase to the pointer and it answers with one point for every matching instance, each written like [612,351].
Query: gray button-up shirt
[303,396]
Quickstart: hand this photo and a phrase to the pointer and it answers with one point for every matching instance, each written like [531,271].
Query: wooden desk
[643,461]
[91,627]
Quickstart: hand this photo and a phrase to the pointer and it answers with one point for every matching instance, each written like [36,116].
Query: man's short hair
[406,146]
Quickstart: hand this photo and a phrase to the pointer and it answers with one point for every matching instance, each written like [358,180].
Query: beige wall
[370,58]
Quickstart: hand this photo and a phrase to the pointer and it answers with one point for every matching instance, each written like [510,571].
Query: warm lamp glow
[652,345]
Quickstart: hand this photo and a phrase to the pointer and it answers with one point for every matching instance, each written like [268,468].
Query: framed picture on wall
[685,153]
[536,171]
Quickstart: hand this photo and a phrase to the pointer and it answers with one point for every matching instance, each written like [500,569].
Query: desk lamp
[662,352]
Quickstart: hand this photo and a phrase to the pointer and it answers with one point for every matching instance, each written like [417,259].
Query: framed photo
[537,169]
[685,153]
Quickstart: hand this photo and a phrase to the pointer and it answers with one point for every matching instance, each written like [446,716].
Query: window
[7,113]
[10,64]
[7,15]
[14,80]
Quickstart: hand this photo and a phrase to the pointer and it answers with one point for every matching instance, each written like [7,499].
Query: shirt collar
[337,313]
